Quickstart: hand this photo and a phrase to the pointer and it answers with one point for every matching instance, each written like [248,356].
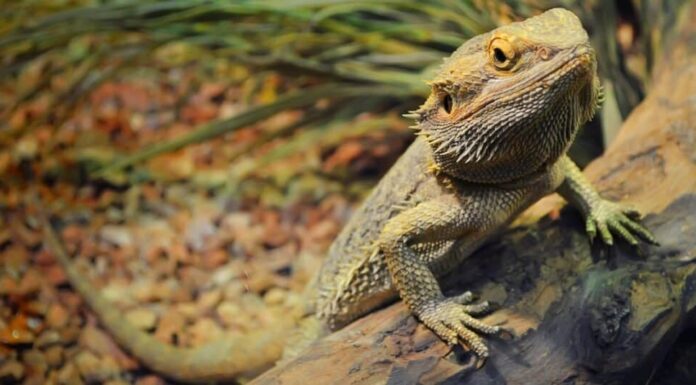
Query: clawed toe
[610,219]
[453,323]
[464,298]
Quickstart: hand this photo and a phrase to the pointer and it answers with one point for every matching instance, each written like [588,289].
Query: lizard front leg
[440,220]
[601,215]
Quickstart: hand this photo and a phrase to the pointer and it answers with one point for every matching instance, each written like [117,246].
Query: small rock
[170,325]
[275,296]
[11,372]
[116,235]
[15,259]
[16,336]
[68,375]
[203,331]
[228,312]
[96,340]
[57,316]
[142,318]
[35,361]
[30,283]
[94,369]
[224,274]
[261,281]
[142,289]
[120,292]
[187,309]
[234,290]
[8,285]
[34,378]
[251,302]
[37,308]
[232,316]
[198,231]
[116,382]
[101,343]
[150,380]
[69,334]
[55,275]
[54,356]
[208,300]
[214,258]
[47,338]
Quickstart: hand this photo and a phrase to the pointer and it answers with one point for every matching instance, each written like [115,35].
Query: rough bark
[580,314]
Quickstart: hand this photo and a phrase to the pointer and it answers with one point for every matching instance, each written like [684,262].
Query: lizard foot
[609,217]
[451,320]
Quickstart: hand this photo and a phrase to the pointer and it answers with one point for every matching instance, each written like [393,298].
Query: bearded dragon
[491,140]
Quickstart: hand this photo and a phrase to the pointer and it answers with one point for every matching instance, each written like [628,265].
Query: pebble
[16,336]
[198,232]
[275,296]
[101,343]
[150,380]
[214,258]
[38,308]
[203,331]
[69,334]
[142,318]
[187,309]
[208,300]
[55,275]
[54,356]
[56,316]
[92,369]
[30,283]
[116,235]
[68,375]
[260,281]
[170,324]
[95,340]
[251,302]
[120,292]
[8,285]
[46,338]
[224,274]
[116,382]
[235,317]
[11,371]
[229,313]
[234,290]
[35,361]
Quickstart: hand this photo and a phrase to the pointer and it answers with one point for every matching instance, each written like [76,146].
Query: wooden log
[580,314]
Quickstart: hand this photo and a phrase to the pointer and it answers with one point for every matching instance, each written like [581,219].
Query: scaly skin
[493,135]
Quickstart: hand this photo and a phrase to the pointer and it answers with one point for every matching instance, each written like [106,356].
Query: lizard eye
[502,53]
[447,103]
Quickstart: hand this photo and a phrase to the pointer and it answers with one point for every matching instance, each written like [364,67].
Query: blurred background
[202,155]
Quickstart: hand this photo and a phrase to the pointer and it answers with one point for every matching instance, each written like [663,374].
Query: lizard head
[508,103]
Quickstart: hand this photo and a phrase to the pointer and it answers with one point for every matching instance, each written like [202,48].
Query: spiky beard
[511,139]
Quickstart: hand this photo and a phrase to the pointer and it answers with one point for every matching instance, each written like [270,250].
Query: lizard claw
[480,361]
[612,219]
[464,298]
[452,322]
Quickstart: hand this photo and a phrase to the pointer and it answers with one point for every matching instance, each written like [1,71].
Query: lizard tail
[224,359]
